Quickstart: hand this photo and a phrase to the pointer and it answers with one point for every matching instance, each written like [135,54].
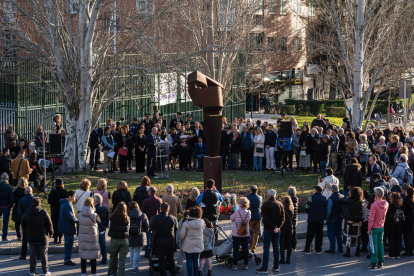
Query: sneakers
[318,253]
[380,265]
[262,270]
[5,240]
[372,266]
[32,273]
[69,263]
[47,273]
[307,252]
[234,267]
[275,269]
[22,258]
[246,267]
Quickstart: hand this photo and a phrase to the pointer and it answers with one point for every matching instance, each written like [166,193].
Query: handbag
[259,150]
[303,152]
[122,152]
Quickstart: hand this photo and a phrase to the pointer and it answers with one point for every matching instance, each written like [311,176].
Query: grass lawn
[334,120]
[237,182]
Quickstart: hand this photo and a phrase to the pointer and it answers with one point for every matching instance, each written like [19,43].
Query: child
[181,254]
[209,238]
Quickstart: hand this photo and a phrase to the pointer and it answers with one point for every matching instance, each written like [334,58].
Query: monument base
[212,170]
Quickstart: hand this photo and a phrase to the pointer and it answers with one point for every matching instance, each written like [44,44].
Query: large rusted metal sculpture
[207,93]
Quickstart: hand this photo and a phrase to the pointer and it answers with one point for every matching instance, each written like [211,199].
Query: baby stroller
[153,258]
[225,250]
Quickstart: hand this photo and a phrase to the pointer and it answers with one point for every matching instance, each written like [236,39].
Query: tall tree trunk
[357,113]
[210,42]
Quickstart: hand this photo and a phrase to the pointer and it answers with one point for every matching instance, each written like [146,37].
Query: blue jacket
[265,101]
[376,169]
[247,140]
[6,195]
[399,172]
[133,128]
[316,208]
[288,143]
[200,150]
[255,205]
[67,218]
[384,158]
[24,204]
[108,142]
[334,207]
[270,139]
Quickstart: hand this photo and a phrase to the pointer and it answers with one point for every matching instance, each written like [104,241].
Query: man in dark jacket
[24,204]
[318,122]
[6,203]
[375,168]
[265,102]
[151,141]
[273,216]
[37,224]
[223,146]
[341,147]
[164,228]
[383,155]
[255,209]
[95,143]
[103,214]
[270,142]
[151,207]
[209,200]
[247,141]
[173,123]
[141,193]
[316,208]
[67,226]
[5,163]
[378,181]
[324,149]
[334,220]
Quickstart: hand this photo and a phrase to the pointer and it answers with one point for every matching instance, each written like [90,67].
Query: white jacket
[333,180]
[191,235]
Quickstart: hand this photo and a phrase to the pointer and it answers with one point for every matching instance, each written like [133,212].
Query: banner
[184,88]
[166,88]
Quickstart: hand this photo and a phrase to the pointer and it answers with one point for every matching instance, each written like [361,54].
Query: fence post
[17,117]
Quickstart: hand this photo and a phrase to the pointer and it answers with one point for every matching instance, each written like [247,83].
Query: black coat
[164,228]
[138,220]
[295,209]
[352,210]
[6,194]
[235,144]
[4,164]
[103,214]
[94,139]
[18,194]
[37,225]
[120,195]
[324,150]
[120,142]
[353,176]
[35,172]
[140,194]
[223,140]
[150,145]
[408,207]
[118,230]
[53,199]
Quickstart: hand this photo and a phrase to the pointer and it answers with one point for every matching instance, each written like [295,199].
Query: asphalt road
[325,264]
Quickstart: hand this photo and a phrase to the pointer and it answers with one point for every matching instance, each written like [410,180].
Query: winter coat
[18,194]
[103,214]
[6,195]
[10,139]
[377,214]
[120,195]
[273,214]
[54,200]
[288,225]
[399,172]
[118,230]
[259,143]
[20,168]
[67,218]
[209,205]
[316,208]
[138,220]
[333,180]
[351,146]
[208,238]
[295,209]
[295,143]
[324,151]
[238,217]
[164,228]
[191,235]
[352,210]
[106,196]
[140,194]
[270,139]
[24,204]
[408,207]
[235,144]
[88,245]
[353,176]
[37,225]
[151,206]
[255,205]
[175,204]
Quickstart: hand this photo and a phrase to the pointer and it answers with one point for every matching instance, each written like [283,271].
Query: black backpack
[398,216]
[135,227]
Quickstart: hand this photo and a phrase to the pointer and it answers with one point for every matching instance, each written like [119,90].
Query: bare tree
[367,45]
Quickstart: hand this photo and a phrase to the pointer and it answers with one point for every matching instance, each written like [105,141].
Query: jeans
[102,244]
[180,258]
[200,160]
[314,229]
[93,266]
[68,247]
[135,255]
[270,157]
[6,216]
[147,247]
[335,232]
[94,157]
[270,237]
[41,250]
[323,165]
[24,244]
[244,242]
[222,153]
[118,246]
[193,260]
[257,167]
[377,245]
[214,222]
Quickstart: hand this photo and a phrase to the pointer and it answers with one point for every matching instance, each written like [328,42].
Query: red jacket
[377,214]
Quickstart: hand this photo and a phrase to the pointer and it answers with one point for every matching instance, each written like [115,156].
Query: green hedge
[339,112]
[313,107]
[277,109]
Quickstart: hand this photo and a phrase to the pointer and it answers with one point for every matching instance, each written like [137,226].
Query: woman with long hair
[354,217]
[172,141]
[286,230]
[192,199]
[89,248]
[392,148]
[102,189]
[37,174]
[292,193]
[119,233]
[138,229]
[350,143]
[121,194]
[123,142]
[305,142]
[58,193]
[392,227]
[140,150]
[82,193]
[258,152]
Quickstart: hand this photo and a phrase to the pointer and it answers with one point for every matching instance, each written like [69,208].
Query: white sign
[166,88]
[184,88]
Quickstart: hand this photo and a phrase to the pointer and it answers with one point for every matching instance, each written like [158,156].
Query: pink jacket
[237,217]
[105,198]
[377,214]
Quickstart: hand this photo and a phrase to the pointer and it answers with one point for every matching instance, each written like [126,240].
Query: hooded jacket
[37,224]
[67,218]
[138,219]
[6,195]
[353,176]
[88,246]
[208,238]
[140,194]
[352,210]
[238,217]
[191,235]
[399,172]
[377,214]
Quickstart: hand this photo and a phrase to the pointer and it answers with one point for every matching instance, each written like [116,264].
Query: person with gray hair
[292,193]
[6,201]
[273,215]
[401,170]
[334,220]
[103,214]
[176,207]
[376,222]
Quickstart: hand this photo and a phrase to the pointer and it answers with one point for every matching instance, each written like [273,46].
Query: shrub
[277,109]
[339,112]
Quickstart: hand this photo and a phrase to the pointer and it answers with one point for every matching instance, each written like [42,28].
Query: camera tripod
[282,167]
[52,180]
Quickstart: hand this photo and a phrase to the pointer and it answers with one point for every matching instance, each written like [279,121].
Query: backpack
[398,216]
[135,228]
[242,229]
[408,176]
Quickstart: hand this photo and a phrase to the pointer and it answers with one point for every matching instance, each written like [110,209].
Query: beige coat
[191,235]
[259,142]
[24,170]
[175,204]
[89,248]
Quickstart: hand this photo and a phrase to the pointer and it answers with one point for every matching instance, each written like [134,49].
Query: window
[226,13]
[109,24]
[271,43]
[311,44]
[272,6]
[74,6]
[256,40]
[312,9]
[283,44]
[298,7]
[145,6]
[297,44]
[283,6]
